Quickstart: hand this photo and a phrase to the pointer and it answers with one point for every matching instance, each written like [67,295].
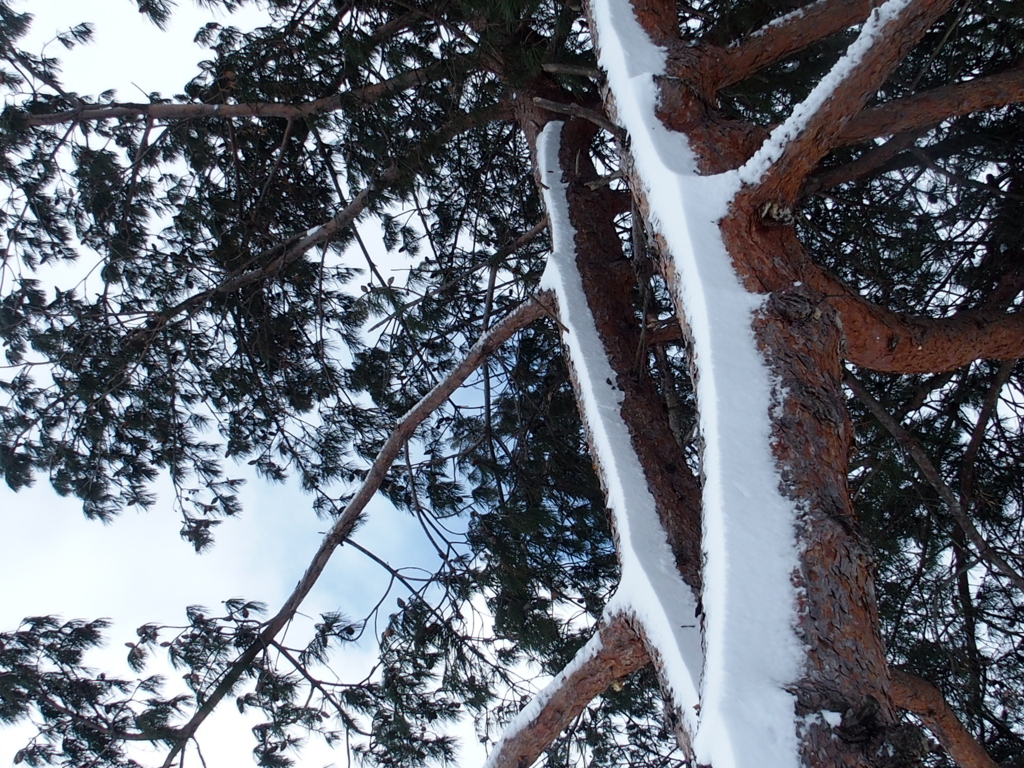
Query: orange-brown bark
[774,42]
[934,106]
[801,339]
[608,281]
[893,40]
[918,696]
[622,652]
[883,340]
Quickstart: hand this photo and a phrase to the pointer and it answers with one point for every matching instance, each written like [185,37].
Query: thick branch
[352,513]
[934,479]
[934,106]
[364,95]
[783,37]
[919,697]
[882,340]
[609,280]
[885,40]
[618,652]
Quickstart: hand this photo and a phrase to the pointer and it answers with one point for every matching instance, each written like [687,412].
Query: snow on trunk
[650,587]
[747,716]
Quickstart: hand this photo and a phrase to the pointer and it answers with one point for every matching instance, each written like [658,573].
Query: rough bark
[932,107]
[621,653]
[783,37]
[801,339]
[882,340]
[808,324]
[609,281]
[892,41]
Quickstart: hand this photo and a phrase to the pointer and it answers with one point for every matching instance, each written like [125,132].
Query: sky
[138,570]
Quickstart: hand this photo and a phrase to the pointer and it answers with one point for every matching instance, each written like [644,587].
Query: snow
[780,21]
[532,710]
[772,149]
[650,587]
[834,719]
[747,718]
[732,695]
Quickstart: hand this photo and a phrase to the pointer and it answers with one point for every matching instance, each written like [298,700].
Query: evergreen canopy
[238,316]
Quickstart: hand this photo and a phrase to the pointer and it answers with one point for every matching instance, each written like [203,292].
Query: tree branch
[882,340]
[872,161]
[615,652]
[919,697]
[364,95]
[294,248]
[934,479]
[816,125]
[576,110]
[932,107]
[350,517]
[783,36]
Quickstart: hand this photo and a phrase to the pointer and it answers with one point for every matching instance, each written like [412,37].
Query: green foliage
[203,337]
[80,716]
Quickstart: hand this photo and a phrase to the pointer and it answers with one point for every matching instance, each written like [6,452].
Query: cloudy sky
[138,570]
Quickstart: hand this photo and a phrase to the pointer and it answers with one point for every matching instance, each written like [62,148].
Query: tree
[785,266]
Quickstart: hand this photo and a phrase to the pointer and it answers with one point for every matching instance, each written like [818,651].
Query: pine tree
[734,289]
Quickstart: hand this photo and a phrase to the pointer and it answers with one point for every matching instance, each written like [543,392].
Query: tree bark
[617,653]
[923,699]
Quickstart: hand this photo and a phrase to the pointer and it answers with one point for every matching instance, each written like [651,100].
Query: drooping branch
[351,515]
[815,126]
[932,107]
[931,475]
[170,112]
[615,652]
[919,697]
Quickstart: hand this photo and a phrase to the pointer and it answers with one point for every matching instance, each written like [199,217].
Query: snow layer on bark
[650,586]
[747,718]
[755,168]
[532,710]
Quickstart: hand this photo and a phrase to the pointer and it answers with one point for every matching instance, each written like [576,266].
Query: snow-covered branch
[614,652]
[777,170]
[651,587]
[782,37]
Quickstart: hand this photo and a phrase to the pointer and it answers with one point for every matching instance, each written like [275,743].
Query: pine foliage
[218,336]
